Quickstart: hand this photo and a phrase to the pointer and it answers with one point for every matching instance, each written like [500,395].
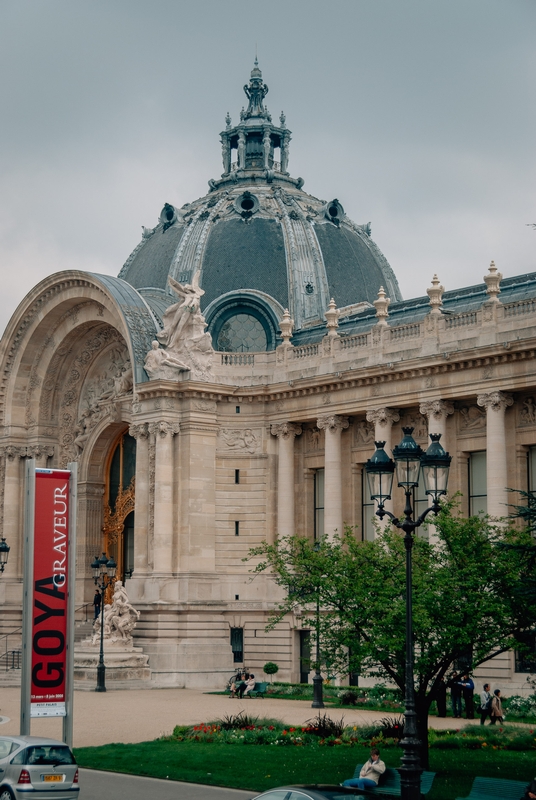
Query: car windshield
[47,754]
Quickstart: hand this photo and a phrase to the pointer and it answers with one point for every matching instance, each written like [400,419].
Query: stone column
[383,419]
[286,433]
[140,432]
[332,425]
[437,412]
[495,404]
[163,496]
[13,510]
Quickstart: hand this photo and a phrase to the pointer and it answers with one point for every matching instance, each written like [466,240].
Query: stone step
[113,686]
[10,677]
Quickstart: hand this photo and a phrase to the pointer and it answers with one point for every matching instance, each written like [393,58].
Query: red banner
[50,584]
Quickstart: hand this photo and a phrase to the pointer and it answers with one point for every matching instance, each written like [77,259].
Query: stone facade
[228,455]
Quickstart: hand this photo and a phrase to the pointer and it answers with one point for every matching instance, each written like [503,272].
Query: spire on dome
[256,92]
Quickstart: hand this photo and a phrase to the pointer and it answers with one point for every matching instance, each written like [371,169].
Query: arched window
[242,326]
[119,505]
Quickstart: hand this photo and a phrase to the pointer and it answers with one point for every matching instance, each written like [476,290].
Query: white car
[43,769]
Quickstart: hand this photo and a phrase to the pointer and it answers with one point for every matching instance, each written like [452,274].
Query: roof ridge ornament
[256,92]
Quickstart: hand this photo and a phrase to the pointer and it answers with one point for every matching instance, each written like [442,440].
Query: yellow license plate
[53,778]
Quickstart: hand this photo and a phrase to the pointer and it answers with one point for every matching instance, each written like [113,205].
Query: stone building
[227,387]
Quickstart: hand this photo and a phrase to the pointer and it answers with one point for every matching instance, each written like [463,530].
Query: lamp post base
[101,684]
[318,698]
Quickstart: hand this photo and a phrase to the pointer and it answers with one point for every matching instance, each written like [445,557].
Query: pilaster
[333,425]
[286,432]
[496,404]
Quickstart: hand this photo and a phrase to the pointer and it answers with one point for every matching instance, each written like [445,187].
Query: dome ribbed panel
[150,265]
[241,255]
[352,270]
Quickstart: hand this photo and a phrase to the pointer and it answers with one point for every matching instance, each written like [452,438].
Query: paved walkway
[95,785]
[141,715]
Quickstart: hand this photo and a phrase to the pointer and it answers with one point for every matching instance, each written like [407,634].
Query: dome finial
[256,92]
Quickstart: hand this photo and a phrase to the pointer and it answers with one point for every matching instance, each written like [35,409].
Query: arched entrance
[118,527]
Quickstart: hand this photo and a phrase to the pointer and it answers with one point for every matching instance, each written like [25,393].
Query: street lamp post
[4,553]
[318,691]
[409,460]
[103,568]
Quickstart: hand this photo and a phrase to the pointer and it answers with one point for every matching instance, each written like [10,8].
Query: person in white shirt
[485,704]
[250,684]
[370,773]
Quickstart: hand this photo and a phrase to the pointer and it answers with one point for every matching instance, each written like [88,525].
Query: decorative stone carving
[120,619]
[159,364]
[381,305]
[240,439]
[364,432]
[332,422]
[287,326]
[436,409]
[495,401]
[418,423]
[187,344]
[527,415]
[383,416]
[164,427]
[285,430]
[139,431]
[472,417]
[332,317]
[435,293]
[493,282]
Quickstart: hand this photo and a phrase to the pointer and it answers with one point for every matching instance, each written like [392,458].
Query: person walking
[97,599]
[468,690]
[496,708]
[485,704]
[441,699]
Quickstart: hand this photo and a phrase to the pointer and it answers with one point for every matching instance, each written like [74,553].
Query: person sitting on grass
[370,773]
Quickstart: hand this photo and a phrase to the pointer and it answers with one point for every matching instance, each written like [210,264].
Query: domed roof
[260,242]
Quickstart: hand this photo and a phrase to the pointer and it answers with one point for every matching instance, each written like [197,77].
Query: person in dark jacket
[456,697]
[530,791]
[441,699]
[96,603]
[468,690]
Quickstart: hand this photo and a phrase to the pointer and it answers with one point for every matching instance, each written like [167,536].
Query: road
[96,785]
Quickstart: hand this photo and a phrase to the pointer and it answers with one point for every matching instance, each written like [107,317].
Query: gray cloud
[417,115]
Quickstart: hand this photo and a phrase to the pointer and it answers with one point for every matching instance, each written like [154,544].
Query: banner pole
[72,466]
[27,596]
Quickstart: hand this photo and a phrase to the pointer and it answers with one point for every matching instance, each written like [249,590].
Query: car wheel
[6,793]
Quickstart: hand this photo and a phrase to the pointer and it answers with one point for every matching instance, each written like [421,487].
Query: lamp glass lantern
[380,469]
[407,456]
[111,567]
[435,465]
[4,553]
[95,567]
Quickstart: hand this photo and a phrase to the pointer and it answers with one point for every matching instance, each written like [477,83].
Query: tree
[464,599]
[270,669]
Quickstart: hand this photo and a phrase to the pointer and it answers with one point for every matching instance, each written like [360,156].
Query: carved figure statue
[161,364]
[528,412]
[473,417]
[120,618]
[364,432]
[187,345]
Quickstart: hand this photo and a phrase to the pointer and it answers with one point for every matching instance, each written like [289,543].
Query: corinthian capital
[384,417]
[436,409]
[163,427]
[139,431]
[332,422]
[495,401]
[285,429]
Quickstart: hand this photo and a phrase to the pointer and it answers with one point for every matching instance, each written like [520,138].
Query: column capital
[11,452]
[383,416]
[139,431]
[436,409]
[332,422]
[285,430]
[164,427]
[495,401]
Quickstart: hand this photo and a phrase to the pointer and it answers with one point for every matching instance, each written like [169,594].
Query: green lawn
[261,767]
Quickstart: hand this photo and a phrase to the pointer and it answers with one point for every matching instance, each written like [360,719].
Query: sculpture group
[120,618]
[186,346]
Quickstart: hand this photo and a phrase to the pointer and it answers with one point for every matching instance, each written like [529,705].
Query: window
[531,457]
[118,528]
[526,659]
[242,325]
[478,498]
[242,333]
[237,476]
[237,644]
[319,504]
[368,511]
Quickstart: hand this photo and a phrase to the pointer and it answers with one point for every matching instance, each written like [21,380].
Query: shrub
[270,668]
[323,726]
[236,721]
[348,697]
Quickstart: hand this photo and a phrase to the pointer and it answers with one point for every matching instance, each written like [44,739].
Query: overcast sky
[418,115]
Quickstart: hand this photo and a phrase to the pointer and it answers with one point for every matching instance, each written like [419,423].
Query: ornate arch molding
[63,301]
